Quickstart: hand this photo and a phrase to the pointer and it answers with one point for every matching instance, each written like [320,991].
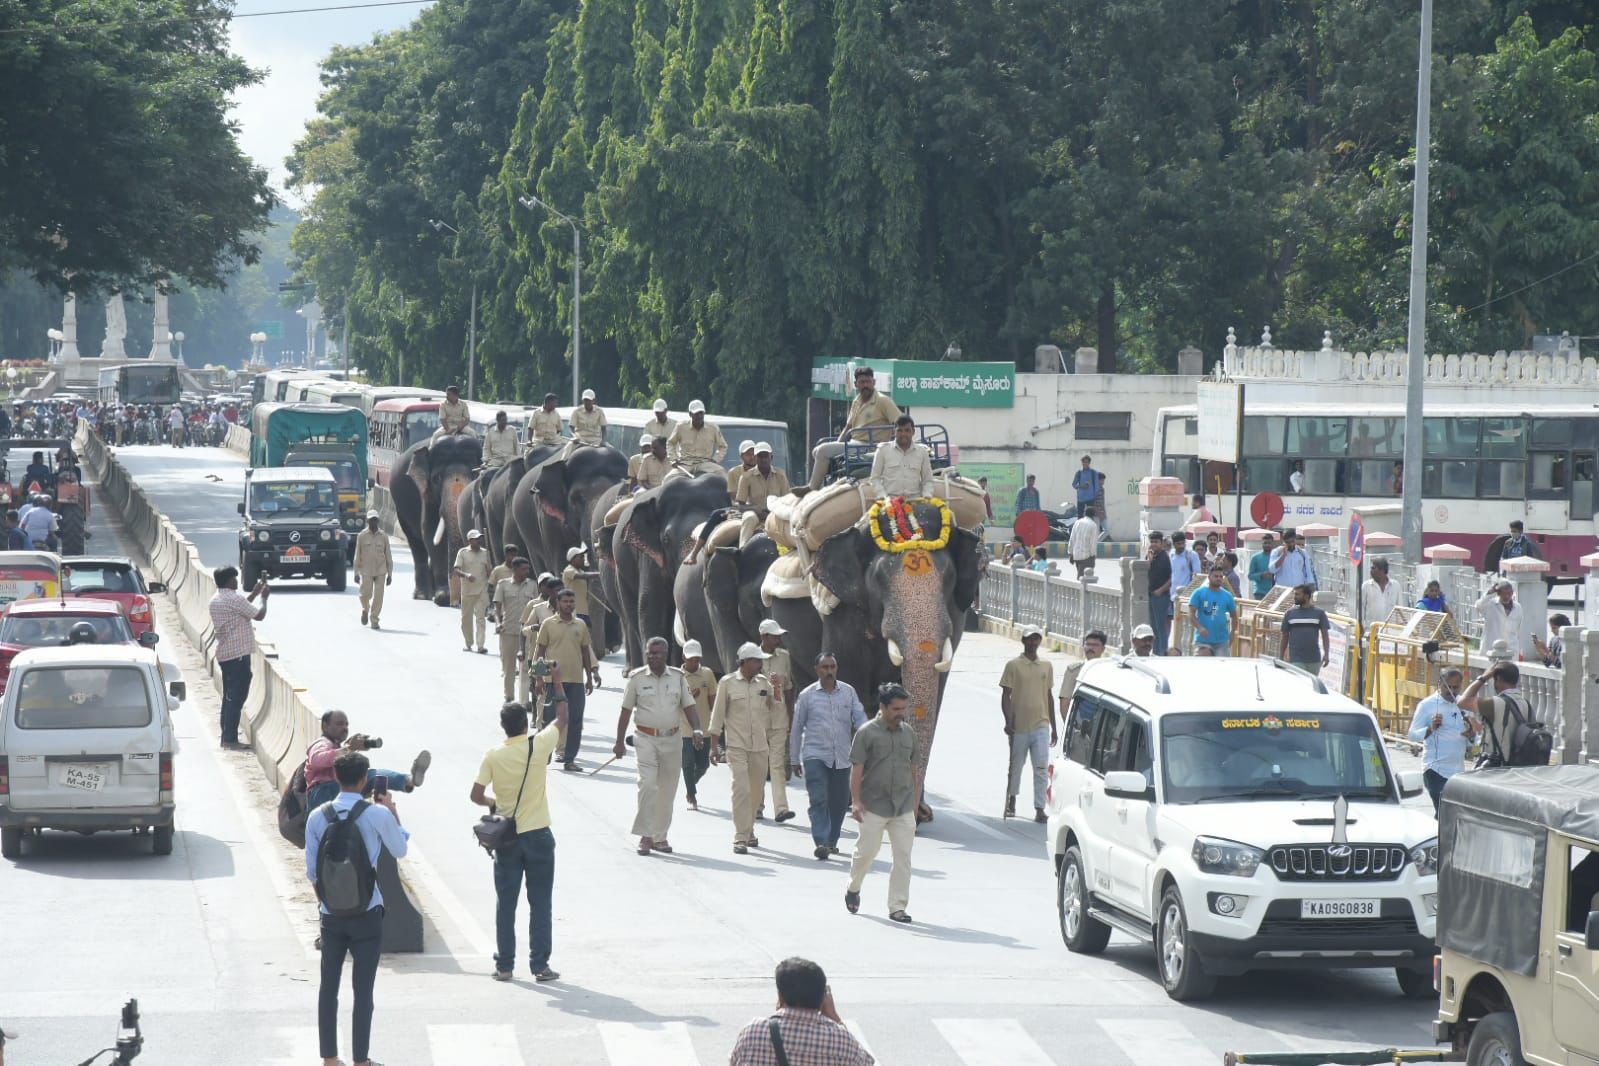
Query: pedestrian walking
[1445,733]
[1143,641]
[1379,594]
[1261,579]
[1502,617]
[657,699]
[565,640]
[577,577]
[1158,583]
[343,840]
[1083,543]
[1185,565]
[231,615]
[883,787]
[702,686]
[374,568]
[502,570]
[741,720]
[1306,637]
[1518,545]
[1027,498]
[826,716]
[1212,609]
[806,1026]
[511,598]
[1093,647]
[472,568]
[1086,484]
[512,778]
[988,501]
[1026,686]
[779,670]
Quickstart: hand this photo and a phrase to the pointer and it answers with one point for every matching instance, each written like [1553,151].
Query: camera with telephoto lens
[372,742]
[542,668]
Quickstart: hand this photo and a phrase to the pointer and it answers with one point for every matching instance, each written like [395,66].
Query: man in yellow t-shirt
[515,772]
[1026,688]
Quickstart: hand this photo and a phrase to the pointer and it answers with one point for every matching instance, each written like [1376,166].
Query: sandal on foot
[663,847]
[852,901]
[740,849]
[900,917]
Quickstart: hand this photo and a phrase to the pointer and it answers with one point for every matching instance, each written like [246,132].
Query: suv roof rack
[1317,683]
[1133,662]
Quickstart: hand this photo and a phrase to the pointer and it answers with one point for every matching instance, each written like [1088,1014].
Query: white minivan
[86,744]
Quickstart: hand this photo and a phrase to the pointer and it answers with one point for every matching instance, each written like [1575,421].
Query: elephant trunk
[917,626]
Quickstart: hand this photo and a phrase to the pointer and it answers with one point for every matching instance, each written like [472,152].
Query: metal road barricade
[1463,587]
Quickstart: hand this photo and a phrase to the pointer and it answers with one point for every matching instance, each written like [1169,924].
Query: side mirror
[1126,784]
[1410,783]
[241,508]
[156,586]
[179,690]
[149,638]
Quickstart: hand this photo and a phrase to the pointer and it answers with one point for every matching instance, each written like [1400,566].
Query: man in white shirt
[500,445]
[902,467]
[1502,618]
[1082,544]
[1379,594]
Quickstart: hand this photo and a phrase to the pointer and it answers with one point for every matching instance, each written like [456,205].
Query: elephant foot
[442,599]
[924,813]
[420,595]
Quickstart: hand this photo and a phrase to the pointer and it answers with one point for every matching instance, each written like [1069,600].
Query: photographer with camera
[320,784]
[1515,738]
[231,615]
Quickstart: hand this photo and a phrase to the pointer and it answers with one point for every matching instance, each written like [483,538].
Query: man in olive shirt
[634,460]
[780,672]
[882,789]
[588,425]
[1025,690]
[696,445]
[746,463]
[652,466]
[869,408]
[660,423]
[657,698]
[576,577]
[511,598]
[472,567]
[515,773]
[454,417]
[545,425]
[565,639]
[745,705]
[756,486]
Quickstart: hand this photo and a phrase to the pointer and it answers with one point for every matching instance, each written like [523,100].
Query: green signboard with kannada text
[920,383]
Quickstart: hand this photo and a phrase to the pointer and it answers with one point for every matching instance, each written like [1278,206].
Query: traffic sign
[1267,509]
[1357,539]
[1032,527]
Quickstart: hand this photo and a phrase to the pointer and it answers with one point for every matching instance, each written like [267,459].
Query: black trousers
[235,687]
[575,698]
[696,761]
[362,938]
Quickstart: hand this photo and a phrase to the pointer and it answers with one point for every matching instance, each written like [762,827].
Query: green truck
[326,435]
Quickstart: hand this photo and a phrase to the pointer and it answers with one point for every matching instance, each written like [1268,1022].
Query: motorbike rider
[38,473]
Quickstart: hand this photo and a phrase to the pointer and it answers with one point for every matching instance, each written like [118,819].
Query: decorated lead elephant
[426,482]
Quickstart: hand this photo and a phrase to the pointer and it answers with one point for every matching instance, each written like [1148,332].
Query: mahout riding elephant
[651,540]
[731,580]
[427,482]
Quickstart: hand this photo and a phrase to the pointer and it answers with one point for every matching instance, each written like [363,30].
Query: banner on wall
[920,383]
[1004,482]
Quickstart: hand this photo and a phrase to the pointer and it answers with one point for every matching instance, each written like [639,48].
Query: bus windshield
[420,425]
[149,385]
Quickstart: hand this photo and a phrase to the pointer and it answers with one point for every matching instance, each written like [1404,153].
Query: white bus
[347,393]
[139,383]
[625,425]
[1483,465]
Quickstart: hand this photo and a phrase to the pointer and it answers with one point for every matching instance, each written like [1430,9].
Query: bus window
[1376,437]
[1185,467]
[420,426]
[1321,475]
[1263,436]
[1551,475]
[1551,432]
[1182,435]
[1265,475]
[1371,477]
[1502,438]
[1454,479]
[1448,437]
[1501,480]
[1318,436]
[1581,485]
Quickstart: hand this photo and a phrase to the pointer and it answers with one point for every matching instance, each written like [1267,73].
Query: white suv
[1195,804]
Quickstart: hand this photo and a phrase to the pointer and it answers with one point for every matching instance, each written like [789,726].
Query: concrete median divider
[279,716]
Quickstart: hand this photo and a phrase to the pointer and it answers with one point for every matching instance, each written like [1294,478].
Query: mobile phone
[380,787]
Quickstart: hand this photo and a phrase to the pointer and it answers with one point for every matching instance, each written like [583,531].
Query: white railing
[1519,368]
[1463,587]
[1064,607]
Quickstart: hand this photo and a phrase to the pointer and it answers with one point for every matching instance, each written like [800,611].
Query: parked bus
[140,383]
[275,383]
[625,425]
[376,394]
[344,393]
[393,426]
[1482,467]
[481,416]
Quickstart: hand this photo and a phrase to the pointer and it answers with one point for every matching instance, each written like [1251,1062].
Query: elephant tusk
[943,665]
[438,535]
[895,656]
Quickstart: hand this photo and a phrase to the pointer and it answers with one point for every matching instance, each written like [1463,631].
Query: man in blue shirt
[1213,609]
[826,716]
[1261,579]
[362,935]
[1028,499]
[1444,731]
[1290,564]
[1185,564]
[1086,482]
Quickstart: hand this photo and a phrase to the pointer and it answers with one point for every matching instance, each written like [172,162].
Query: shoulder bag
[776,1034]
[496,831]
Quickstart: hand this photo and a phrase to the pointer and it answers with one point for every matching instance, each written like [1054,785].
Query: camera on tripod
[542,668]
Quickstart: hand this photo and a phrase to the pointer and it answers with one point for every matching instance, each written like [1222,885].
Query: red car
[45,624]
[109,577]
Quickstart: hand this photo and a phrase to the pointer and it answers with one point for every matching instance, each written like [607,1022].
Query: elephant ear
[421,464]
[644,527]
[963,552]
[839,564]
[550,488]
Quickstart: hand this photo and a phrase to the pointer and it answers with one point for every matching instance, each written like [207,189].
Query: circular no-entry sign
[1266,509]
[1032,527]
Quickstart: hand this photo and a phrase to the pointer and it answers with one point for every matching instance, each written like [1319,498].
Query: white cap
[746,446]
[547,576]
[588,394]
[1504,583]
[474,534]
[1143,632]
[770,628]
[692,649]
[373,514]
[763,447]
[696,407]
[750,651]
[1031,631]
[573,553]
[660,405]
[644,441]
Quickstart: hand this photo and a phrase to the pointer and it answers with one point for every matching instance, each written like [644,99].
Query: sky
[272,114]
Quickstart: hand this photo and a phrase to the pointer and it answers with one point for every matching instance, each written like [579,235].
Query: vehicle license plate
[85,776]
[1340,908]
[294,555]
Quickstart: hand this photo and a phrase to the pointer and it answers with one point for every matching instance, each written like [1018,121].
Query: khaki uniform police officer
[746,463]
[652,466]
[780,671]
[454,417]
[500,445]
[742,716]
[472,567]
[511,598]
[545,425]
[374,568]
[695,445]
[633,461]
[868,408]
[758,485]
[588,425]
[658,698]
[661,425]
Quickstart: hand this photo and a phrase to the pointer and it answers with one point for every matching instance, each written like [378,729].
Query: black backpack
[1531,743]
[345,877]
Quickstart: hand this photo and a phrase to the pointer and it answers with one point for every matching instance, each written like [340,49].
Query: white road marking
[993,1042]
[648,1044]
[474,1045]
[299,1045]
[1150,1040]
[855,1029]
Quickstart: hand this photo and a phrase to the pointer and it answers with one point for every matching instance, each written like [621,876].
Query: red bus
[394,426]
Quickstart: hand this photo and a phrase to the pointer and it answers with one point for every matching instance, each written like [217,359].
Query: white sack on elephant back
[779,515]
[826,512]
[785,579]
[964,496]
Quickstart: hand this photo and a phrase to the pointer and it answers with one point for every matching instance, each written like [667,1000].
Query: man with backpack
[343,839]
[1515,737]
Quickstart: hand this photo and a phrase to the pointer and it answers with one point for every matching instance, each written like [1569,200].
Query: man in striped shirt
[231,615]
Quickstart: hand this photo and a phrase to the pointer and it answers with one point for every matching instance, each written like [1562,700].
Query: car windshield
[1288,755]
[98,697]
[48,631]
[102,577]
[292,497]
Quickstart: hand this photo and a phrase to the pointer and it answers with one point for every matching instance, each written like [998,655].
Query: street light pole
[531,202]
[1416,361]
[471,329]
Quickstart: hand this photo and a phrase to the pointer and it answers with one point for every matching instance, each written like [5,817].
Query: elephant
[693,607]
[899,617]
[427,482]
[604,561]
[732,586]
[651,540]
[499,526]
[553,503]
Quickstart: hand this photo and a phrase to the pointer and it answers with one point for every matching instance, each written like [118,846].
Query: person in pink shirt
[320,785]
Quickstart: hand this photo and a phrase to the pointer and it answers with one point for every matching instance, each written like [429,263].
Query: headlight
[1424,857]
[1215,856]
[262,535]
[327,534]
